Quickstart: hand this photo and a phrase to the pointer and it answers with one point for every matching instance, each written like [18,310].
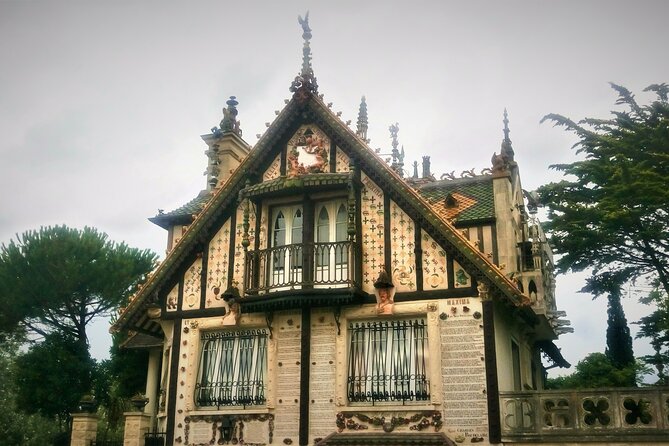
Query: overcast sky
[102,103]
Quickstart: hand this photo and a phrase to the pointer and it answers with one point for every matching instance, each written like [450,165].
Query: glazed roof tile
[474,196]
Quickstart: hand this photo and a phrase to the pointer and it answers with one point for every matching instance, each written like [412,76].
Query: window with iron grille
[388,361]
[233,365]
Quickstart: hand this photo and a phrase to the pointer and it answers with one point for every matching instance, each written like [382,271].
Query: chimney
[426,167]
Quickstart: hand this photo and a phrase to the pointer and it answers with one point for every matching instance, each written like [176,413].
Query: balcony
[305,266]
[592,415]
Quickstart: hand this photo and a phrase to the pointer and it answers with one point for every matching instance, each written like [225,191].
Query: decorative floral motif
[422,420]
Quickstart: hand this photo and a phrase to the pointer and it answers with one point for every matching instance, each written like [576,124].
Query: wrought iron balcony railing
[300,266]
[629,414]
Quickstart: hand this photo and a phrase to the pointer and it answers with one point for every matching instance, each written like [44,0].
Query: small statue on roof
[306,35]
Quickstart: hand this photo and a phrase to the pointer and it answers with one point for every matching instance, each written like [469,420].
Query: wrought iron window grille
[233,365]
[387,361]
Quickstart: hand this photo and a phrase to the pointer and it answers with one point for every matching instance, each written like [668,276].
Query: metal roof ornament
[507,150]
[305,82]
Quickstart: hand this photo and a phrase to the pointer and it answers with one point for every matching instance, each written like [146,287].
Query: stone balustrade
[588,415]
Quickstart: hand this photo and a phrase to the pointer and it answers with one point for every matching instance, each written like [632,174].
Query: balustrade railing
[308,265]
[630,413]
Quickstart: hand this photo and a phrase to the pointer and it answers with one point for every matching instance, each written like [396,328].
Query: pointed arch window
[287,233]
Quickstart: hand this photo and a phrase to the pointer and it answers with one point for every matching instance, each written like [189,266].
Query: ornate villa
[319,293]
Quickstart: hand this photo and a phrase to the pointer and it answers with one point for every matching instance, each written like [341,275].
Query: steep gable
[307,108]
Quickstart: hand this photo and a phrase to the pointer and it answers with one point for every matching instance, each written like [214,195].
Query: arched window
[341,251]
[323,236]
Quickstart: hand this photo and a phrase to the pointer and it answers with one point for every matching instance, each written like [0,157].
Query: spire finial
[306,79]
[507,150]
[361,130]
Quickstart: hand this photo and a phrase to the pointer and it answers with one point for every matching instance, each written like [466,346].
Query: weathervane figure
[306,35]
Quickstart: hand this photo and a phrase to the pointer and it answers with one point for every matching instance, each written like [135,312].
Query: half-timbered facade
[314,294]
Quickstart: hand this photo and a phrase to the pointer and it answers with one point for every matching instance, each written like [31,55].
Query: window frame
[428,310]
[236,355]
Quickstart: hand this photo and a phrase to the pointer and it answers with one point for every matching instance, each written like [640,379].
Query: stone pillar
[84,428]
[136,425]
[152,375]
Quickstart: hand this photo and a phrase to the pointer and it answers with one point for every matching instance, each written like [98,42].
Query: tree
[19,428]
[595,371]
[619,349]
[655,326]
[612,214]
[58,279]
[53,376]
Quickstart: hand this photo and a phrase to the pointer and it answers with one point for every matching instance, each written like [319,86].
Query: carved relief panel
[307,152]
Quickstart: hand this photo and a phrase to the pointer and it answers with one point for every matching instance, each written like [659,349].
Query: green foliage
[618,338]
[128,367]
[611,214]
[53,376]
[655,326]
[58,279]
[16,427]
[596,371]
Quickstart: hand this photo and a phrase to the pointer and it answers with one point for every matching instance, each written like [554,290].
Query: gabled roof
[306,105]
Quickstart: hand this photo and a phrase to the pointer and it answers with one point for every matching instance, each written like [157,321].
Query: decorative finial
[398,157]
[502,163]
[507,150]
[361,130]
[506,126]
[415,170]
[394,129]
[305,82]
[229,122]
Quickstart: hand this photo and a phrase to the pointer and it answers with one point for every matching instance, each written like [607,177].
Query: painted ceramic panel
[322,375]
[288,334]
[463,370]
[217,266]
[238,264]
[435,273]
[342,161]
[402,239]
[372,233]
[308,152]
[172,299]
[462,279]
[274,170]
[192,286]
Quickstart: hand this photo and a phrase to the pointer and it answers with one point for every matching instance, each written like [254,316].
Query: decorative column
[152,384]
[84,428]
